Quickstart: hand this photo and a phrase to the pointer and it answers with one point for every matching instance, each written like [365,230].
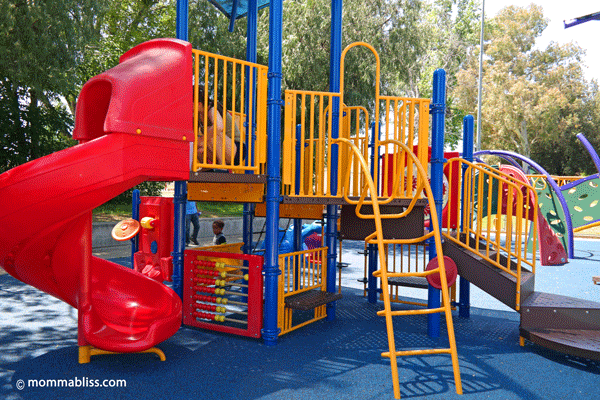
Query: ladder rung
[412,312]
[417,352]
[379,273]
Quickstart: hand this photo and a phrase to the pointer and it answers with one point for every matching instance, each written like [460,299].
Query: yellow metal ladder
[377,238]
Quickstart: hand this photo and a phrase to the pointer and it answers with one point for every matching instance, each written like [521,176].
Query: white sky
[586,35]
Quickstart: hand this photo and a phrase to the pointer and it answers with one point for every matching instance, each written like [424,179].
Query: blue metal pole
[334,86]
[271,270]
[438,110]
[464,305]
[372,253]
[181,21]
[252,19]
[234,8]
[180,196]
[135,214]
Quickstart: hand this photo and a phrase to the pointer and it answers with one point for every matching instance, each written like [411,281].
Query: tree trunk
[33,118]
[526,151]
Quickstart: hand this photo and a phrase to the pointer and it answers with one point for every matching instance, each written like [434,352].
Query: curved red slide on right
[46,204]
[552,251]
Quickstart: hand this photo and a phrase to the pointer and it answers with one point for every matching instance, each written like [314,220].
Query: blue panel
[226,7]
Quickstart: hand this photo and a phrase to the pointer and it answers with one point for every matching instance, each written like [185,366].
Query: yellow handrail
[560,180]
[377,237]
[495,206]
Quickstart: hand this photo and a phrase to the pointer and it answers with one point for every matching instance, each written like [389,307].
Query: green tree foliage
[451,30]
[533,99]
[41,44]
[391,27]
[81,38]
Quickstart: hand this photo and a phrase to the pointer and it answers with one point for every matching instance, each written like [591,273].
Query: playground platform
[325,360]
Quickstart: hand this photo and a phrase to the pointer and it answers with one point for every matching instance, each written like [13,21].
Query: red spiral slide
[134,123]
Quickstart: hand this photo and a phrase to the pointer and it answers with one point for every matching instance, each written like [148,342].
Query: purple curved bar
[553,184]
[588,146]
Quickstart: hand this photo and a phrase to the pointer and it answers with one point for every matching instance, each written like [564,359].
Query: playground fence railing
[302,271]
[308,148]
[241,88]
[407,258]
[499,216]
[560,180]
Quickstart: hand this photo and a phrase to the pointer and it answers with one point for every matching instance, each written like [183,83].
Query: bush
[145,188]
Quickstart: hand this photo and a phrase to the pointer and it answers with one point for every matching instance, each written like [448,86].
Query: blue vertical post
[372,253]
[271,270]
[180,197]
[251,30]
[135,214]
[438,111]
[464,299]
[375,153]
[334,86]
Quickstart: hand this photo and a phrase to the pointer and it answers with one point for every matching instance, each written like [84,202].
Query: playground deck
[325,360]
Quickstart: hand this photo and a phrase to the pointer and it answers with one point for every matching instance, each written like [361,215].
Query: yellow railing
[301,271]
[539,181]
[499,214]
[307,144]
[407,121]
[407,258]
[355,123]
[369,196]
[241,89]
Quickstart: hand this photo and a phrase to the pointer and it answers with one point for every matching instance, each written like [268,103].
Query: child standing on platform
[218,231]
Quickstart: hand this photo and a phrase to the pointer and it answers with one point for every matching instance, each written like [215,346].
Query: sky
[586,35]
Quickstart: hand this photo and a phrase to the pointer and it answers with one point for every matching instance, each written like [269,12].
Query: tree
[531,98]
[452,31]
[391,27]
[41,51]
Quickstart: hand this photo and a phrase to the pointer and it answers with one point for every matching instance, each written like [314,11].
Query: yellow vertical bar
[288,142]
[302,147]
[224,102]
[479,216]
[262,115]
[410,172]
[319,172]
[509,226]
[424,132]
[311,149]
[280,298]
[246,113]
[490,189]
[196,83]
[215,98]
[233,111]
[205,106]
[498,221]
[357,175]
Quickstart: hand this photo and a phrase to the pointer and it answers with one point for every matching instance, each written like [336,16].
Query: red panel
[253,307]
[388,161]
[552,251]
[156,244]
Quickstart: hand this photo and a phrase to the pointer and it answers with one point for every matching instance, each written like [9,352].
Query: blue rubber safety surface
[340,359]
